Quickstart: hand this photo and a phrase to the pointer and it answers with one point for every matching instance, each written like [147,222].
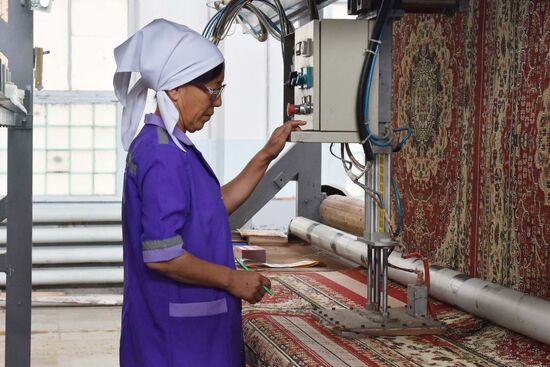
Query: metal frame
[302,163]
[16,42]
[375,318]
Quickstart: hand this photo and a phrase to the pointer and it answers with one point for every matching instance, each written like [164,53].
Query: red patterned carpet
[475,178]
[282,331]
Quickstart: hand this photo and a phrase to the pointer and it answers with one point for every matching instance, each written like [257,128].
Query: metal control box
[328,58]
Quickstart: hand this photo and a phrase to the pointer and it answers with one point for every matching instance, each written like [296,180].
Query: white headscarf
[167,55]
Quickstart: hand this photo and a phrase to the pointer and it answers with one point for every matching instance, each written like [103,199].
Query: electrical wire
[354,163]
[399,211]
[347,164]
[352,157]
[365,80]
[234,11]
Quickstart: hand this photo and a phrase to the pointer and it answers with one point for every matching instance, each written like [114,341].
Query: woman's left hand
[277,141]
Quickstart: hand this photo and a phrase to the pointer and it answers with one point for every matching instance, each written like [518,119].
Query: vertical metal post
[19,248]
[387,205]
[370,206]
[369,276]
[387,182]
[374,187]
[377,278]
[385,282]
[16,42]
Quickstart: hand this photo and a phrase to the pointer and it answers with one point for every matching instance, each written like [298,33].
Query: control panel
[327,62]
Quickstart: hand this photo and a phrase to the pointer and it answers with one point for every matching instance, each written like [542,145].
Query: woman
[182,294]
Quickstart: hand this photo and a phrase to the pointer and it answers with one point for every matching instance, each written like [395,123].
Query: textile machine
[338,79]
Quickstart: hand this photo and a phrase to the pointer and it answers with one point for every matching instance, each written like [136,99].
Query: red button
[290,110]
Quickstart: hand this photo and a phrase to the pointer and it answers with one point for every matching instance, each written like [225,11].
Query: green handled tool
[243,265]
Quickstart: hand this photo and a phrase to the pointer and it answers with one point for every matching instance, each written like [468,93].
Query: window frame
[71,96]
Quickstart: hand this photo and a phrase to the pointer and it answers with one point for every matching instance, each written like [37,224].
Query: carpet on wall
[475,178]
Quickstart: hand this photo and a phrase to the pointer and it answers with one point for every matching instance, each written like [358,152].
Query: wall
[475,179]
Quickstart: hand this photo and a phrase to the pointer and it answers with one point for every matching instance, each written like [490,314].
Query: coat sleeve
[165,207]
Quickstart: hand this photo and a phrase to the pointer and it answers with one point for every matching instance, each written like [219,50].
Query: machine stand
[377,318]
[357,323]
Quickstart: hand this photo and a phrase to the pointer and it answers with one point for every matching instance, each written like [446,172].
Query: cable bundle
[353,162]
[235,10]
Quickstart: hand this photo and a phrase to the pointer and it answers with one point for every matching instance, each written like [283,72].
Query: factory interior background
[474,179]
[480,153]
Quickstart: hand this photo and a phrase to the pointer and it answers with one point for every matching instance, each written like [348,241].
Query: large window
[76,155]
[75,149]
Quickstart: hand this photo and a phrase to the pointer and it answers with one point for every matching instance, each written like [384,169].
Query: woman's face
[195,104]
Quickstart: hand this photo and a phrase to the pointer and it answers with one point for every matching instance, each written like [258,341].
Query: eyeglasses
[215,93]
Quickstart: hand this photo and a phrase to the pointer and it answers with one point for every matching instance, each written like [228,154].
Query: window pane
[39,138]
[39,161]
[58,161]
[82,114]
[92,46]
[81,138]
[105,161]
[78,157]
[38,184]
[105,114]
[57,184]
[3,161]
[58,138]
[104,138]
[113,15]
[58,114]
[82,162]
[3,138]
[104,184]
[39,112]
[81,184]
[51,32]
[3,184]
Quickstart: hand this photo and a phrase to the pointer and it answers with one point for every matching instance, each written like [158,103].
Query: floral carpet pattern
[475,178]
[283,331]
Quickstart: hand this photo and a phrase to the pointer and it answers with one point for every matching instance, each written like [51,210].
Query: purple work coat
[172,204]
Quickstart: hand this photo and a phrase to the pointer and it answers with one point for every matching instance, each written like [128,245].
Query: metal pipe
[385,282]
[375,224]
[520,312]
[370,205]
[369,275]
[376,279]
[76,212]
[387,183]
[74,276]
[56,234]
[76,255]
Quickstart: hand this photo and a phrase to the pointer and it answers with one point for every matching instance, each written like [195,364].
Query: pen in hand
[243,265]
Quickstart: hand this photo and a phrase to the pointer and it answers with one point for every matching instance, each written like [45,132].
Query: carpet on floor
[283,331]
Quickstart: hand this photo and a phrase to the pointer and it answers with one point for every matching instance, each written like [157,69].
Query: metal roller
[506,307]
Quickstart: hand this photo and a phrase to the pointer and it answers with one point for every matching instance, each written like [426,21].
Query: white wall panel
[51,33]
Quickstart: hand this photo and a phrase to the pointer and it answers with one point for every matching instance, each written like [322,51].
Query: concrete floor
[72,336]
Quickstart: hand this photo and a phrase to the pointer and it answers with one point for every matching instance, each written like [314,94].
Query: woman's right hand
[248,285]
